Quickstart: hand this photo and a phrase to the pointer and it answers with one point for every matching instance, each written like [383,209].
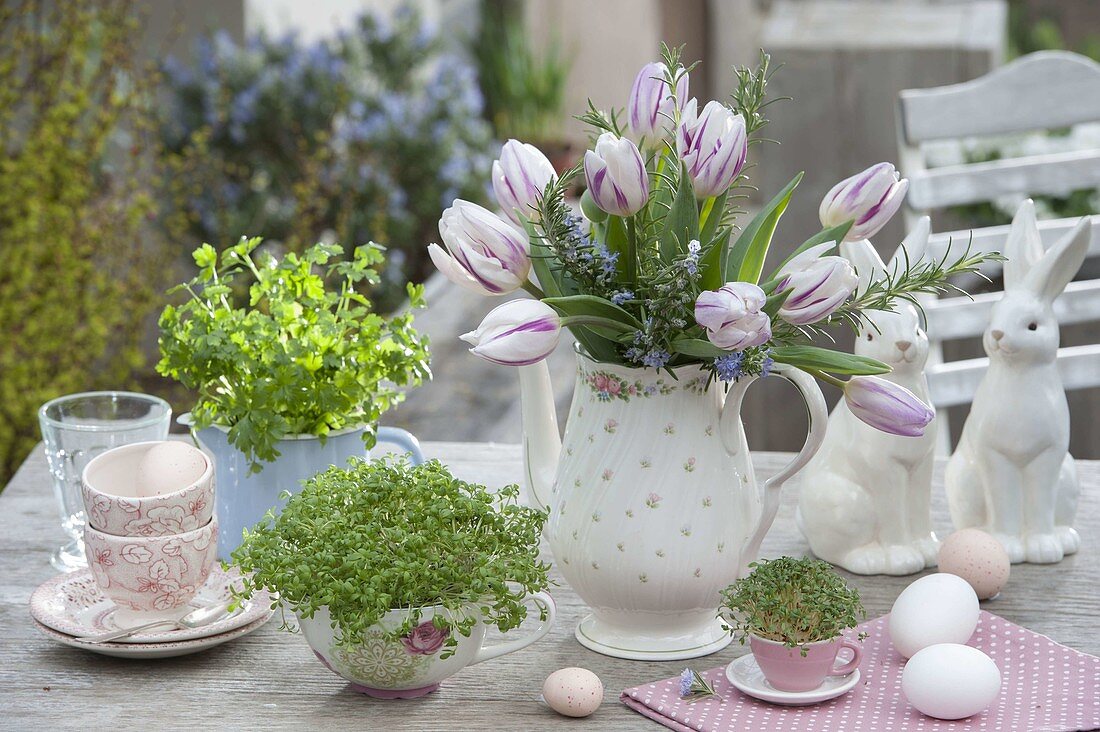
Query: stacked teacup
[151,535]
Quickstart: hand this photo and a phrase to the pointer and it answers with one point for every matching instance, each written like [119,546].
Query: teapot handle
[818,415]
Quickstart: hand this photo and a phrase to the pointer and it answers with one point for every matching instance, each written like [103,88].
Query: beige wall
[607,42]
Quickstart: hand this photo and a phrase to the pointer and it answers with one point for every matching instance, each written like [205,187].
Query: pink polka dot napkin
[1044,686]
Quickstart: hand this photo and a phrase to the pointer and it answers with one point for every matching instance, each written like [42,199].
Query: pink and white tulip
[818,284]
[519,178]
[615,172]
[652,104]
[887,406]
[516,333]
[713,145]
[484,253]
[732,316]
[869,199]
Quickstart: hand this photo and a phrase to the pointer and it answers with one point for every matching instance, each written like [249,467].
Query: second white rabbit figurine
[1012,474]
[864,498]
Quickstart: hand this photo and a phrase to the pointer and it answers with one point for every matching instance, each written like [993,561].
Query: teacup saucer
[747,677]
[73,604]
[154,650]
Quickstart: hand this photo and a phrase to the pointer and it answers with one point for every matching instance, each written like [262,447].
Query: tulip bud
[869,199]
[517,333]
[651,101]
[519,178]
[484,253]
[818,285]
[713,145]
[616,175]
[733,317]
[887,406]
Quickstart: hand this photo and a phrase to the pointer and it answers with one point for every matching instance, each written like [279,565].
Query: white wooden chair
[1046,90]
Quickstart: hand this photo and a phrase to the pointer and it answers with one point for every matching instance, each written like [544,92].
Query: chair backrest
[1041,91]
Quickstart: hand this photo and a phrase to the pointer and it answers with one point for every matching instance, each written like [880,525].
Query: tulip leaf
[698,348]
[682,220]
[775,301]
[594,343]
[612,328]
[746,258]
[591,211]
[710,262]
[712,217]
[619,242]
[593,306]
[540,262]
[833,233]
[823,359]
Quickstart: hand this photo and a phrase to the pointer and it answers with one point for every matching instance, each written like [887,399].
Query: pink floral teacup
[112,503]
[149,577]
[402,668]
[788,669]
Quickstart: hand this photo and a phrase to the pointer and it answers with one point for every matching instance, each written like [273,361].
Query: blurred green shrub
[79,270]
[366,136]
[524,91]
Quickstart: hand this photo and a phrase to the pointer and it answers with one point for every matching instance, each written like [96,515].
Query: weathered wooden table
[270,679]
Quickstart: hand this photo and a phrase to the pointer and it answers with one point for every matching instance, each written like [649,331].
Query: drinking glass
[78,427]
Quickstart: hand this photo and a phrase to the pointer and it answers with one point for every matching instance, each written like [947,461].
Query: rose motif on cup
[136,554]
[103,557]
[141,527]
[100,506]
[204,538]
[172,548]
[425,639]
[172,520]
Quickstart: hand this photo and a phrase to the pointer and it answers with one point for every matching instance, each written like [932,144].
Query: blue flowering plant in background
[361,137]
[659,271]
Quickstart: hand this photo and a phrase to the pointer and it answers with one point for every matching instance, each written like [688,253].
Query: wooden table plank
[271,680]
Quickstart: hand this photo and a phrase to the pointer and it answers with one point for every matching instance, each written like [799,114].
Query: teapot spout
[541,440]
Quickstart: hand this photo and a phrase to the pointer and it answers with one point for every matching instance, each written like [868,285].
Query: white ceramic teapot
[654,507]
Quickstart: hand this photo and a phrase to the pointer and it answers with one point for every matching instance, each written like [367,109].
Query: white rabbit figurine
[864,499]
[1011,473]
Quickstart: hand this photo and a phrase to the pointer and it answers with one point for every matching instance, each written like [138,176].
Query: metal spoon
[193,619]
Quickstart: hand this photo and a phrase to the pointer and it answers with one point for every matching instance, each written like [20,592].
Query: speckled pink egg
[978,558]
[573,692]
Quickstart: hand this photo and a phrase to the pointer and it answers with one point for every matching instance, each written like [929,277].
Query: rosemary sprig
[694,687]
[905,282]
[750,96]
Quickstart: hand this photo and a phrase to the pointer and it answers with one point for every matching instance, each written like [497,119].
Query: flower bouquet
[657,273]
[667,294]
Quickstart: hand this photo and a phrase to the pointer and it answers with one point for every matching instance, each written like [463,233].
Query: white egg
[573,692]
[939,608]
[168,467]
[950,681]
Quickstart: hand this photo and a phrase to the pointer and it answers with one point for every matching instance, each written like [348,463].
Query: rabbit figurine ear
[914,246]
[1024,247]
[1058,266]
[868,264]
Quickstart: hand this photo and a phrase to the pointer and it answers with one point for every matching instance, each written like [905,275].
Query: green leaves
[698,348]
[833,362]
[746,258]
[373,536]
[792,601]
[306,355]
[681,225]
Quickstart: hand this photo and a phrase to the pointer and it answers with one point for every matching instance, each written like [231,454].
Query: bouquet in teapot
[657,271]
